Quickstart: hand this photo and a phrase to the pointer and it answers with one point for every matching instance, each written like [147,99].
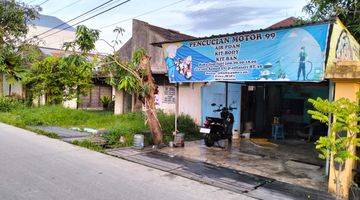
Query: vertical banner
[292,54]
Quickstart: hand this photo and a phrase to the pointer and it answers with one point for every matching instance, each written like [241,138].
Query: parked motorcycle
[216,129]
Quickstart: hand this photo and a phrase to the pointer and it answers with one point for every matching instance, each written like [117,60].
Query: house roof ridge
[165,31]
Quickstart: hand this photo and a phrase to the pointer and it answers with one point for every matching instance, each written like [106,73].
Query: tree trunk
[338,183]
[9,89]
[149,102]
[1,85]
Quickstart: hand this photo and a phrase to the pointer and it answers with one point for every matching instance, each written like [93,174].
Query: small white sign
[204,130]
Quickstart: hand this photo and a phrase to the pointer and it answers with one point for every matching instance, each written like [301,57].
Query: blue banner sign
[293,54]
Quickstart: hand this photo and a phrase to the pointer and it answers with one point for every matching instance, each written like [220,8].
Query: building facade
[143,35]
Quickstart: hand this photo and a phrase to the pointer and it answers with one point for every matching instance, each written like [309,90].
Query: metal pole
[226,94]
[176,107]
[331,98]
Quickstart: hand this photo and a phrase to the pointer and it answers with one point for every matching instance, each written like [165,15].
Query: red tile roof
[284,23]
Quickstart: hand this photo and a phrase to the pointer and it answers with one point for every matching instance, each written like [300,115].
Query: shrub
[125,125]
[8,104]
[105,101]
[88,144]
[185,125]
[133,123]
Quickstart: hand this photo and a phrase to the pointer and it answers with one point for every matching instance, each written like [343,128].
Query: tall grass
[125,125]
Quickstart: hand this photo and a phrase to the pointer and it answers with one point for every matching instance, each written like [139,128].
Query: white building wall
[190,100]
[16,88]
[70,103]
[54,41]
[165,99]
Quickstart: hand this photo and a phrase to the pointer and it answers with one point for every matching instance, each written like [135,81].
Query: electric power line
[44,2]
[142,14]
[62,24]
[67,6]
[107,10]
[32,1]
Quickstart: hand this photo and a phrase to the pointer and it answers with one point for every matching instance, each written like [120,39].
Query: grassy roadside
[124,126]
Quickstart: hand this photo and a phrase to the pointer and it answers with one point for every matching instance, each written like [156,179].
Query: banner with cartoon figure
[292,54]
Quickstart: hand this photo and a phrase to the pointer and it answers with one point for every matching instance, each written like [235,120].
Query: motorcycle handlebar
[219,110]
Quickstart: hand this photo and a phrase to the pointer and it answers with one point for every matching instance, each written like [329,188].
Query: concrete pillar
[119,102]
[344,90]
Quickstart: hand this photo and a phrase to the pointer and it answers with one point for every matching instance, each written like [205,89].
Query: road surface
[40,168]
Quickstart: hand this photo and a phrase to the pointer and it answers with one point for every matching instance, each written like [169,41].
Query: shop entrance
[220,93]
[292,159]
[287,103]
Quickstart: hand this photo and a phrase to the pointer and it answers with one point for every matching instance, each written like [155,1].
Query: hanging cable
[142,14]
[145,13]
[44,2]
[67,6]
[107,10]
[65,23]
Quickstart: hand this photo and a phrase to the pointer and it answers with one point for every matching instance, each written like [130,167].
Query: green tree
[344,127]
[67,77]
[14,20]
[347,10]
[135,77]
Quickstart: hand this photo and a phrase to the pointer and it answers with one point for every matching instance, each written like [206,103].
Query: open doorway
[287,103]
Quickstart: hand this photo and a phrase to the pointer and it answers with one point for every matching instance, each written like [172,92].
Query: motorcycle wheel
[209,142]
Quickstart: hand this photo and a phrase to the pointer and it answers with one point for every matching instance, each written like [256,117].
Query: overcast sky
[193,17]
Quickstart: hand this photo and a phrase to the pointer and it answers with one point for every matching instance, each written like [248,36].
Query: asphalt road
[40,168]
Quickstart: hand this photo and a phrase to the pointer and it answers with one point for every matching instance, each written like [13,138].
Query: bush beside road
[16,113]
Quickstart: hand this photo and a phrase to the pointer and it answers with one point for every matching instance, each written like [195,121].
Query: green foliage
[8,104]
[186,125]
[67,77]
[125,74]
[88,144]
[15,53]
[105,101]
[125,125]
[346,10]
[343,128]
[60,78]
[84,41]
[45,133]
[14,20]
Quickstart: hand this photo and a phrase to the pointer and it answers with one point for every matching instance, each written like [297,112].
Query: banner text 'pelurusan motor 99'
[292,54]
